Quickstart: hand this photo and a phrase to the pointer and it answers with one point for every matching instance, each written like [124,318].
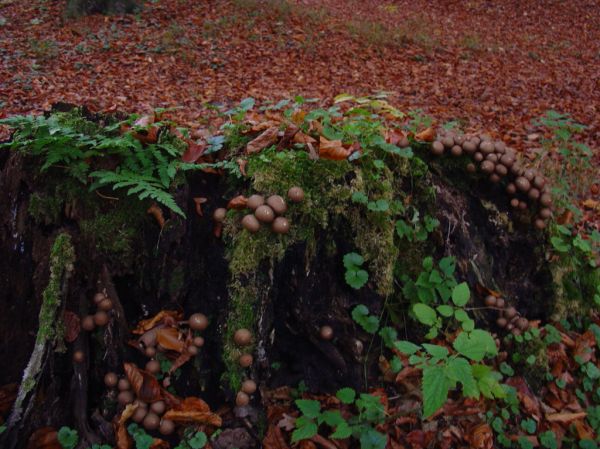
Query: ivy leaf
[461,294]
[346,395]
[356,278]
[435,389]
[425,314]
[309,407]
[475,345]
[369,323]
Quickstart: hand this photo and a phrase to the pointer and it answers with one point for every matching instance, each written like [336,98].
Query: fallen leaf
[238,203]
[480,437]
[168,317]
[274,439]
[300,137]
[565,418]
[158,215]
[193,410]
[199,201]
[44,438]
[266,139]
[332,149]
[122,437]
[144,384]
[170,338]
[427,135]
[72,325]
[193,152]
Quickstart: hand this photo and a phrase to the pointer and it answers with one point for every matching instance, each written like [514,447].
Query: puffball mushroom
[167,427]
[490,301]
[245,360]
[255,201]
[501,170]
[87,323]
[242,399]
[153,366]
[192,350]
[456,151]
[539,223]
[487,167]
[123,384]
[249,386]
[111,380]
[151,421]
[264,214]
[277,203]
[101,318]
[219,214]
[198,321]
[486,147]
[533,194]
[125,397]
[546,199]
[250,223]
[469,147]
[158,407]
[98,297]
[78,356]
[281,225]
[150,351]
[437,148]
[106,305]
[295,194]
[478,157]
[326,333]
[448,141]
[522,184]
[538,182]
[198,341]
[242,337]
[139,414]
[510,312]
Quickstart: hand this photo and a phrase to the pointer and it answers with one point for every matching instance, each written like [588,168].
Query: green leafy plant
[433,285]
[355,276]
[67,437]
[369,323]
[360,426]
[192,439]
[139,435]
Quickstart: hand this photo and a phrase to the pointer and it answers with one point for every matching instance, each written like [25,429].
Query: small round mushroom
[99,297]
[448,141]
[277,203]
[139,414]
[533,194]
[487,167]
[545,213]
[125,397]
[149,338]
[514,203]
[500,303]
[459,139]
[522,323]
[78,356]
[456,151]
[106,305]
[478,157]
[546,199]
[539,223]
[510,313]
[150,351]
[492,157]
[167,427]
[153,366]
[469,147]
[522,184]
[539,182]
[326,332]
[490,301]
[111,380]
[242,337]
[515,331]
[192,350]
[501,170]
[471,168]
[198,321]
[249,386]
[486,147]
[242,399]
[511,189]
[151,421]
[158,407]
[250,223]
[437,148]
[123,384]
[495,178]
[87,323]
[529,174]
[476,140]
[101,318]
[245,360]
[281,225]
[255,201]
[507,160]
[198,341]
[219,214]
[295,194]
[522,205]
[264,214]
[501,322]
[499,147]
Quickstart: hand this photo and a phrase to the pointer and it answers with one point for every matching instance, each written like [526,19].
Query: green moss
[45,209]
[62,257]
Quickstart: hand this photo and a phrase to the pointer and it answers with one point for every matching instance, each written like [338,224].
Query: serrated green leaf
[342,431]
[389,336]
[346,395]
[459,370]
[425,314]
[309,407]
[308,430]
[436,350]
[406,347]
[435,389]
[332,418]
[371,439]
[461,294]
[475,345]
[445,311]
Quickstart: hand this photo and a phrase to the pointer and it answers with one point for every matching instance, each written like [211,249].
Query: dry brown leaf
[168,317]
[300,137]
[565,418]
[427,135]
[44,438]
[144,384]
[266,139]
[170,338]
[591,204]
[193,410]
[274,439]
[238,203]
[199,201]
[157,213]
[332,149]
[71,322]
[123,439]
[481,437]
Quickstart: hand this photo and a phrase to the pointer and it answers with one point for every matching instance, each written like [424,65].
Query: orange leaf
[157,213]
[169,317]
[193,410]
[170,339]
[565,418]
[332,149]
[300,137]
[238,203]
[481,437]
[144,384]
[427,135]
[267,138]
[123,439]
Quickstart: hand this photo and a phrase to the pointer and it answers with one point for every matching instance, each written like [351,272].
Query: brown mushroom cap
[437,148]
[277,203]
[245,360]
[501,170]
[522,184]
[545,212]
[522,323]
[456,151]
[250,223]
[492,157]
[295,194]
[494,177]
[326,332]
[501,322]
[78,356]
[499,147]
[533,194]
[490,301]
[281,225]
[153,366]
[139,414]
[264,213]
[500,303]
[106,305]
[539,182]
[539,223]
[151,421]
[123,384]
[158,407]
[111,380]
[255,201]
[125,397]
[487,167]
[471,168]
[511,189]
[476,140]
[448,141]
[242,337]
[529,174]
[510,312]
[101,318]
[478,157]
[486,147]
[546,199]
[514,203]
[507,160]
[219,214]
[87,323]
[198,321]
[192,350]
[242,399]
[522,205]
[150,351]
[469,146]
[249,386]
[198,341]
[98,297]
[167,427]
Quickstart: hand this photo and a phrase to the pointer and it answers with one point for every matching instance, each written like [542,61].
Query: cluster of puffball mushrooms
[242,338]
[89,322]
[509,317]
[526,186]
[268,212]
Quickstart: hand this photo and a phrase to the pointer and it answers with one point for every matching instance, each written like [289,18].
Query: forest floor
[492,65]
